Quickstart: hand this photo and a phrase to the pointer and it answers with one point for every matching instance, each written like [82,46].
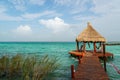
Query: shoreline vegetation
[20,67]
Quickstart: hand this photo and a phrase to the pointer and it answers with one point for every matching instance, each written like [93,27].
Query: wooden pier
[90,68]
[99,54]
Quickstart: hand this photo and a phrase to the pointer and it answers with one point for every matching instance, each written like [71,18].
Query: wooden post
[72,72]
[79,59]
[77,45]
[104,57]
[112,56]
[94,47]
[84,47]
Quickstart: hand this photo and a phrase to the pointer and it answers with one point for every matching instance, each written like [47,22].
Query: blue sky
[57,20]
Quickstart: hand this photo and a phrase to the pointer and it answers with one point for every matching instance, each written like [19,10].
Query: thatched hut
[89,35]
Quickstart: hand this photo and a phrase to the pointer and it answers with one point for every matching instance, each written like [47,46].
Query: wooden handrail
[110,44]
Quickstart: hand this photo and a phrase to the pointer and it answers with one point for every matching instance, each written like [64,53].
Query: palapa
[90,35]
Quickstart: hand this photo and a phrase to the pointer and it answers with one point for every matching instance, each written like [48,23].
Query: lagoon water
[59,49]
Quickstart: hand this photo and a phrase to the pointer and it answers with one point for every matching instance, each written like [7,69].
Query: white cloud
[19,4]
[84,18]
[38,15]
[37,2]
[76,6]
[22,4]
[23,30]
[56,24]
[106,7]
[106,20]
[108,25]
[31,15]
[2,9]
[63,2]
[26,16]
[100,9]
[81,6]
[6,17]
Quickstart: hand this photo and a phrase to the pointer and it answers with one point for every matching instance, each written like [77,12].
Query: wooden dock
[99,54]
[90,69]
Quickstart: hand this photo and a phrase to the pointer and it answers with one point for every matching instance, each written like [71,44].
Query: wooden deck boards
[90,69]
[99,54]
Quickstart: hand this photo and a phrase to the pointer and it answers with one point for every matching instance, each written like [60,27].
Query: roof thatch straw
[90,35]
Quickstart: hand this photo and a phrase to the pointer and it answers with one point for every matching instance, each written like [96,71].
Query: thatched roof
[90,35]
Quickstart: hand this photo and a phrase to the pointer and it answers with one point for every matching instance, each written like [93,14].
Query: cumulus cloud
[56,24]
[23,30]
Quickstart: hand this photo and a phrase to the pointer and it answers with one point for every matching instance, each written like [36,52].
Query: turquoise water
[59,49]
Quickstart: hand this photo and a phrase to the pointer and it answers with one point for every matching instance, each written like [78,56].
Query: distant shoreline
[48,41]
[36,41]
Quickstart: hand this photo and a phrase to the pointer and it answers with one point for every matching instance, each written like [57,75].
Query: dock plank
[90,69]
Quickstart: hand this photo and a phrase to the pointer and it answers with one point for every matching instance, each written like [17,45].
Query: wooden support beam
[79,60]
[77,45]
[104,57]
[84,47]
[72,72]
[94,47]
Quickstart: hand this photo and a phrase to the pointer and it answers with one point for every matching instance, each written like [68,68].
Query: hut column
[94,47]
[104,57]
[84,47]
[77,46]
